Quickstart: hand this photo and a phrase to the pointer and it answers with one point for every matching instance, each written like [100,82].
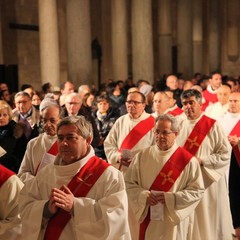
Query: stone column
[142,43]
[184,38]
[214,38]
[49,47]
[165,36]
[233,29]
[1,42]
[119,40]
[79,42]
[197,36]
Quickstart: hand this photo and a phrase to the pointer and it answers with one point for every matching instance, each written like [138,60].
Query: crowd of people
[127,161]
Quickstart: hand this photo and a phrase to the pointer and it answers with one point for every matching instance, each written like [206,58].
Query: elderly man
[79,196]
[43,149]
[74,107]
[164,185]
[28,118]
[219,108]
[26,114]
[10,187]
[130,133]
[204,138]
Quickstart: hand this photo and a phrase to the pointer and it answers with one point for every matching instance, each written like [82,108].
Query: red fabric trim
[198,134]
[54,149]
[210,97]
[166,178]
[177,111]
[80,185]
[236,131]
[139,131]
[5,174]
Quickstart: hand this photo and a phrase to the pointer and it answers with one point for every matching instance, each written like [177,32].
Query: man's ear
[89,140]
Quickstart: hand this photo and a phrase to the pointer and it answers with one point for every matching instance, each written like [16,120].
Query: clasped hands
[61,198]
[153,199]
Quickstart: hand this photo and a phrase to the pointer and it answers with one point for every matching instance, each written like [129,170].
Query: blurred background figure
[147,91]
[9,156]
[36,100]
[219,108]
[105,116]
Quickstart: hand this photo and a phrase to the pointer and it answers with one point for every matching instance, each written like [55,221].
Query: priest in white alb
[204,138]
[79,196]
[43,149]
[164,185]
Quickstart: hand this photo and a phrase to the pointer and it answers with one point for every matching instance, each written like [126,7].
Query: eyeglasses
[133,102]
[164,133]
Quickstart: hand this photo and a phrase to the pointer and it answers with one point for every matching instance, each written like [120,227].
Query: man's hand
[237,232]
[233,140]
[153,199]
[61,198]
[125,161]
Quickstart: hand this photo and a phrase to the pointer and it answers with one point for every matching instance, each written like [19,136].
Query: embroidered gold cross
[167,177]
[82,181]
[193,142]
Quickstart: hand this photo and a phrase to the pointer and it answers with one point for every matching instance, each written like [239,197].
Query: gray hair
[170,118]
[74,94]
[192,93]
[84,127]
[22,93]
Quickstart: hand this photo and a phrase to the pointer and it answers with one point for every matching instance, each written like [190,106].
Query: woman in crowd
[8,138]
[105,116]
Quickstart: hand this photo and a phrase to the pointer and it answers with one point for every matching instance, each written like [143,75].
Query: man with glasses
[164,185]
[204,138]
[130,133]
[43,149]
[79,196]
[28,118]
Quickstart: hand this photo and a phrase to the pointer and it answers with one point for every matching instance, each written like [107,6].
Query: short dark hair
[192,93]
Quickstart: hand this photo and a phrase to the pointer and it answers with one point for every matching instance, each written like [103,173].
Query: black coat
[104,127]
[234,190]
[8,142]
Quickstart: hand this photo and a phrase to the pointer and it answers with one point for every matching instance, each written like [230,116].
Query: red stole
[166,178]
[80,185]
[52,151]
[137,133]
[198,134]
[5,174]
[177,111]
[236,131]
[209,97]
